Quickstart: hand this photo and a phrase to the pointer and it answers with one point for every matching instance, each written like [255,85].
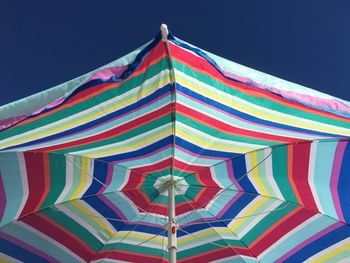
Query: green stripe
[73,227]
[267,222]
[57,178]
[280,173]
[221,135]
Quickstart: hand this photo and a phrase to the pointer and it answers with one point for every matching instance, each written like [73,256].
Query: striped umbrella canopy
[172,151]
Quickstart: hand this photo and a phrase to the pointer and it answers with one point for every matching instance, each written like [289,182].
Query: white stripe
[50,240]
[311,173]
[24,184]
[269,174]
[8,258]
[293,231]
[255,219]
[69,181]
[329,249]
[124,143]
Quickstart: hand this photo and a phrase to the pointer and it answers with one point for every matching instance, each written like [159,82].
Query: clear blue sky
[45,43]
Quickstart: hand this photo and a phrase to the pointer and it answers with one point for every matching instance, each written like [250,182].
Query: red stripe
[128,256]
[201,65]
[229,129]
[38,182]
[300,174]
[279,229]
[156,167]
[122,129]
[219,253]
[57,232]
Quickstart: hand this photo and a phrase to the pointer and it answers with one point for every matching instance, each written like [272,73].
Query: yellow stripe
[255,173]
[209,145]
[136,236]
[4,259]
[94,219]
[205,234]
[334,252]
[131,146]
[84,178]
[252,209]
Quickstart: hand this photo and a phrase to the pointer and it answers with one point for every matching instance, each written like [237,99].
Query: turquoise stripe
[22,233]
[141,162]
[10,164]
[323,171]
[222,175]
[297,237]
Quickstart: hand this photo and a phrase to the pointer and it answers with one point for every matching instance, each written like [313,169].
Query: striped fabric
[260,177]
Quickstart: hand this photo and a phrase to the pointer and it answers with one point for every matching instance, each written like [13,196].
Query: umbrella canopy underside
[262,173]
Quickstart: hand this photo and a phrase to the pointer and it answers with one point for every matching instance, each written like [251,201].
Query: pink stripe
[27,247]
[309,241]
[231,175]
[110,169]
[2,198]
[198,155]
[229,204]
[338,159]
[142,157]
[317,102]
[107,73]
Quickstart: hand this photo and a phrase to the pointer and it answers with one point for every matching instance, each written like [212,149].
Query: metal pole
[172,223]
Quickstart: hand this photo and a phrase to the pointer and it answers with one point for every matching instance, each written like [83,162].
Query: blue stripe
[201,151]
[100,175]
[141,152]
[18,252]
[237,207]
[320,244]
[240,174]
[106,211]
[344,184]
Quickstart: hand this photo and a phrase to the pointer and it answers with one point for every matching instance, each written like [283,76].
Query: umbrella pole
[172,226]
[172,223]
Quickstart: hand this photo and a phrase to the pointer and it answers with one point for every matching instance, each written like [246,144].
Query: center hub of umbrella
[162,185]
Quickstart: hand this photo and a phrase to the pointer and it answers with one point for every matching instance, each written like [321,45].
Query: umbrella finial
[164,31]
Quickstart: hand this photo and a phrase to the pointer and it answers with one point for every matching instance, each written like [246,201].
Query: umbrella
[172,153]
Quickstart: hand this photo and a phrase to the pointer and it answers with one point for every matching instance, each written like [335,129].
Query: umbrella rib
[184,194]
[240,178]
[281,200]
[210,242]
[244,175]
[287,204]
[108,163]
[113,235]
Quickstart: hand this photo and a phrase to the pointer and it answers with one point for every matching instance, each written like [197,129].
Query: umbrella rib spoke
[234,250]
[196,236]
[120,241]
[240,178]
[235,157]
